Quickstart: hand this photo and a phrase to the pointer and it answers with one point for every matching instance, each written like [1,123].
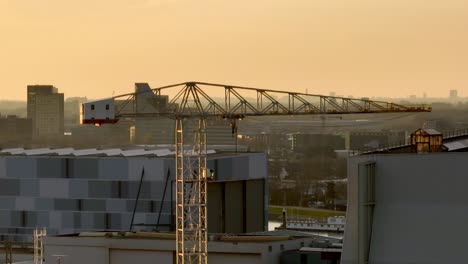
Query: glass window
[68,220]
[8,203]
[9,187]
[42,218]
[99,221]
[16,219]
[94,205]
[115,221]
[99,189]
[143,206]
[78,189]
[77,220]
[45,204]
[5,218]
[66,204]
[50,168]
[84,168]
[30,219]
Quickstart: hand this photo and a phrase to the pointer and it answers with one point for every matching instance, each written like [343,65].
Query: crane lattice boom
[192,100]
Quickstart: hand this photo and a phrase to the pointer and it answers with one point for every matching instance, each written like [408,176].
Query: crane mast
[192,103]
[191,195]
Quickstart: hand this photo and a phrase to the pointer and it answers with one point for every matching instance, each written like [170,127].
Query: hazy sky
[353,47]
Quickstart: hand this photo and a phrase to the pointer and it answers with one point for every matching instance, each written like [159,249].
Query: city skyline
[360,48]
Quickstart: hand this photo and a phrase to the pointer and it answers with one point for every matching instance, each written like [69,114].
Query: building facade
[146,248]
[15,131]
[85,190]
[72,111]
[406,208]
[45,108]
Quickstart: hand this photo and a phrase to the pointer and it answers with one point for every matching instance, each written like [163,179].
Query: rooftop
[431,131]
[267,236]
[111,152]
[137,151]
[451,141]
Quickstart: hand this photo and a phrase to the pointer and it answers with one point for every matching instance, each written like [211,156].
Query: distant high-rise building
[151,130]
[46,109]
[160,130]
[453,94]
[72,109]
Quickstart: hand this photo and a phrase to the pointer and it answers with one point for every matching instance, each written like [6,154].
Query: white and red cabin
[98,112]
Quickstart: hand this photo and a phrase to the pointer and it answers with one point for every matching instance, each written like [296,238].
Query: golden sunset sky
[368,48]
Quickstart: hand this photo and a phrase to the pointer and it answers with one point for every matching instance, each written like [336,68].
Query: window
[107,106]
[92,107]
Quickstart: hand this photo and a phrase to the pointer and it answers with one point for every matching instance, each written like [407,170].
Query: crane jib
[199,101]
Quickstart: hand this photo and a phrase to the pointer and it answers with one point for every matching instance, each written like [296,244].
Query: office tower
[45,108]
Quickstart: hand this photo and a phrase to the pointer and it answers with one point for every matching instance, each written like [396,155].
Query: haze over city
[275,132]
[359,47]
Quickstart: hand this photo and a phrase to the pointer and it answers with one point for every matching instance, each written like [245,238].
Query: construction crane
[192,101]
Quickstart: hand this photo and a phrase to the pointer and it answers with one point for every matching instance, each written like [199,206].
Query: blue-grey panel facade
[74,194]
[235,205]
[20,167]
[51,168]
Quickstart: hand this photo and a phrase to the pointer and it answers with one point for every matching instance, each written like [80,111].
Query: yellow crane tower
[192,101]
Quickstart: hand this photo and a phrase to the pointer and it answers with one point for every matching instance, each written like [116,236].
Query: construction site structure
[38,245]
[191,101]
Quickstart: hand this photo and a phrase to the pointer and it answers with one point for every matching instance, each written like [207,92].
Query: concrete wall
[125,256]
[236,206]
[255,201]
[420,213]
[101,250]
